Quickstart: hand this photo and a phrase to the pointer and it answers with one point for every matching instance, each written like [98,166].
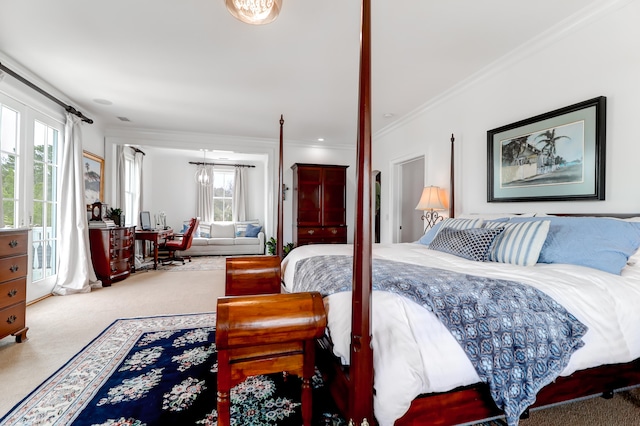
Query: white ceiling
[189,66]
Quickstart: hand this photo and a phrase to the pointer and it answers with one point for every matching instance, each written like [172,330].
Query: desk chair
[171,246]
[267,334]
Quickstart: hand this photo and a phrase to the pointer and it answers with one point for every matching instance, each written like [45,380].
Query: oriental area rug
[162,370]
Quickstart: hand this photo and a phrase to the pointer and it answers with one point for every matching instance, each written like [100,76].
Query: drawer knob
[14,268]
[13,243]
[12,292]
[12,319]
[334,231]
[311,231]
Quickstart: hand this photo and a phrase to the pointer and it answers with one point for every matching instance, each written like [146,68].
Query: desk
[155,236]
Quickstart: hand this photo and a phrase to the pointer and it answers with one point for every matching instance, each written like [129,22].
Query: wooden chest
[13,283]
[112,253]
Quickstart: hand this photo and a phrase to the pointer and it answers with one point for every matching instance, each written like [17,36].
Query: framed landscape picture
[556,156]
[93,177]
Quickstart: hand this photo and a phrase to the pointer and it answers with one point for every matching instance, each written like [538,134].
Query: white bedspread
[414,353]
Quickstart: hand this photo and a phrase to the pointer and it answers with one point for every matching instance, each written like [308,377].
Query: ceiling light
[203,175]
[255,12]
[388,115]
[320,139]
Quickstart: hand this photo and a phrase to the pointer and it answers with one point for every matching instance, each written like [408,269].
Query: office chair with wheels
[171,246]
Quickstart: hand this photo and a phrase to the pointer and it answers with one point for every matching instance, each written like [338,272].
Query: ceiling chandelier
[255,12]
[204,174]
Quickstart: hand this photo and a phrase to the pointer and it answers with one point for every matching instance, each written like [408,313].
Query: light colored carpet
[60,326]
[198,263]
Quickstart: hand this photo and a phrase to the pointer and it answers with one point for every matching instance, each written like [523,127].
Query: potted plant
[115,214]
[271,247]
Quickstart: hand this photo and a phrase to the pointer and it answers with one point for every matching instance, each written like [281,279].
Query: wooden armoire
[319,204]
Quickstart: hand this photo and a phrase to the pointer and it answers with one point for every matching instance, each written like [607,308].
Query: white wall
[169,185]
[596,53]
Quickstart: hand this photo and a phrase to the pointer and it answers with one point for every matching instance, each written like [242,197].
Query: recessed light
[388,115]
[103,101]
[320,139]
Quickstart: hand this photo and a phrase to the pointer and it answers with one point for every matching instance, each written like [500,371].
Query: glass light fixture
[255,12]
[429,203]
[203,175]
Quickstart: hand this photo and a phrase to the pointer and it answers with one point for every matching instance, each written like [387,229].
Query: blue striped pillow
[520,243]
[452,223]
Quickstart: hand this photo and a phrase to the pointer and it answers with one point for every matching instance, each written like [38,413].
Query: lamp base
[431,218]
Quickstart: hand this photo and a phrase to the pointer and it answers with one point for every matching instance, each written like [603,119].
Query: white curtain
[239,195]
[75,271]
[204,207]
[121,164]
[138,158]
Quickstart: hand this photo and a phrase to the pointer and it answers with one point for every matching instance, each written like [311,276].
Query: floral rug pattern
[161,371]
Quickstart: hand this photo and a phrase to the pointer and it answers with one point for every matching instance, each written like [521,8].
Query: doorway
[411,183]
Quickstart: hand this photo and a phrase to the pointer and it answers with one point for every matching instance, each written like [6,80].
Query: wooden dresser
[13,283]
[319,204]
[112,252]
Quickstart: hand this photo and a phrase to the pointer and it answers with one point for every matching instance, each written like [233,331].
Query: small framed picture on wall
[93,177]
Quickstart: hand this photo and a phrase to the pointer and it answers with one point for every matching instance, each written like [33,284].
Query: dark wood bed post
[279,237]
[452,192]
[361,369]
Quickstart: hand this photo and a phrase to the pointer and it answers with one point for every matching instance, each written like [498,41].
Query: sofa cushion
[199,241]
[220,241]
[241,227]
[222,230]
[252,230]
[247,241]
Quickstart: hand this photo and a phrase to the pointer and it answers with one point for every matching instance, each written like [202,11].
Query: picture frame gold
[93,177]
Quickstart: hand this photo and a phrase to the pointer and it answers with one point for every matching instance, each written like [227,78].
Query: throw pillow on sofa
[252,230]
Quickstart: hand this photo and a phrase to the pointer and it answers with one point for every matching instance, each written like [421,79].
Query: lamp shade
[254,12]
[430,199]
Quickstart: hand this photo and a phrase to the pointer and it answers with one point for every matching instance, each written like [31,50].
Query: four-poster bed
[353,387]
[595,359]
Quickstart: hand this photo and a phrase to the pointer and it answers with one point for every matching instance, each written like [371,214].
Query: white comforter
[414,353]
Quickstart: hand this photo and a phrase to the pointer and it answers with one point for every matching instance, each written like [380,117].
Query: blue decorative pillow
[252,230]
[596,242]
[185,226]
[520,243]
[471,244]
[204,235]
[454,223]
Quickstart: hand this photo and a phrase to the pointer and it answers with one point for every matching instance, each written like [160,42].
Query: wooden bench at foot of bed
[266,334]
[247,275]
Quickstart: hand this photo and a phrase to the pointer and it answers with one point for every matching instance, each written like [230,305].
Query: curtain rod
[67,108]
[202,163]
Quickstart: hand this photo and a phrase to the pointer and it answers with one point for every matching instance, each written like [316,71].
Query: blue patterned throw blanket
[518,338]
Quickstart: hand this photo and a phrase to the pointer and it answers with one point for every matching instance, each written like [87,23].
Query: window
[9,151]
[45,200]
[130,189]
[30,143]
[223,195]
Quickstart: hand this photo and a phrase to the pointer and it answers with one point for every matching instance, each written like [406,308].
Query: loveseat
[227,238]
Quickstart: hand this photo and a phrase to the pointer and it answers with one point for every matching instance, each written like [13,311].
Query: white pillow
[520,243]
[223,230]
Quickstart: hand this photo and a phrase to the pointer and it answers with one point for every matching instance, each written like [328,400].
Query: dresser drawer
[12,319]
[13,292]
[12,244]
[13,267]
